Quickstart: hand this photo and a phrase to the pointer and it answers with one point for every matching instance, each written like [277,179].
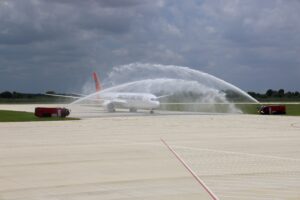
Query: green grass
[18,116]
[248,108]
[291,109]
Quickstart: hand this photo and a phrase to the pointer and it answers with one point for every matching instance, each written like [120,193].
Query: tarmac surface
[120,156]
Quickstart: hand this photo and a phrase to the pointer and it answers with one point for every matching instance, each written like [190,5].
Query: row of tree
[269,94]
[276,94]
[18,95]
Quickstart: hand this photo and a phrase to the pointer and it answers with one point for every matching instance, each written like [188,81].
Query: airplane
[112,100]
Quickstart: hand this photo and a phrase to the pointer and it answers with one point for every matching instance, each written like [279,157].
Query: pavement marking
[211,194]
[250,198]
[239,153]
[224,151]
[295,125]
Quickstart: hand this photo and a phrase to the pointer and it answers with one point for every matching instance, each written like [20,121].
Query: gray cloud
[56,44]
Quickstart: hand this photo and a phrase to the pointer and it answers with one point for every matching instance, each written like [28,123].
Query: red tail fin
[97,82]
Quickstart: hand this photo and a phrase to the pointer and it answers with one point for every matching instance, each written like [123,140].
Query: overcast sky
[57,44]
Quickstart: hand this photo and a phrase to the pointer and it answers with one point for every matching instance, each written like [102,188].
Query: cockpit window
[153,99]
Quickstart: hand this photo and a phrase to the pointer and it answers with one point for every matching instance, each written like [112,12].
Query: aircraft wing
[118,101]
[115,102]
[159,97]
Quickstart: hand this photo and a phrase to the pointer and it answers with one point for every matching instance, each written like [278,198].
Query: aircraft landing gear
[151,111]
[132,110]
[111,108]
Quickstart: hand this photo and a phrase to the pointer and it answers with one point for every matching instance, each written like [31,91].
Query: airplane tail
[97,82]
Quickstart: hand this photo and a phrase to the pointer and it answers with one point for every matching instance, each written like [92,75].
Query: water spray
[185,85]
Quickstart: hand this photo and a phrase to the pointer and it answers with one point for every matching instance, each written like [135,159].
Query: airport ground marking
[240,153]
[295,125]
[206,188]
[227,152]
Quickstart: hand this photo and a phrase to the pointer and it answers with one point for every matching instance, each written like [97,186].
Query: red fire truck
[272,110]
[51,112]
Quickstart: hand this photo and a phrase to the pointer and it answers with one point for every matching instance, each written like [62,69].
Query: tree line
[276,95]
[18,95]
[269,94]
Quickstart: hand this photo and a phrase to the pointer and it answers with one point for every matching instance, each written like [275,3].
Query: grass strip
[20,116]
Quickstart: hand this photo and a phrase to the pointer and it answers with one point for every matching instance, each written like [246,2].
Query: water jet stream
[185,85]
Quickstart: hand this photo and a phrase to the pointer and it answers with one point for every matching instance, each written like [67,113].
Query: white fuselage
[130,100]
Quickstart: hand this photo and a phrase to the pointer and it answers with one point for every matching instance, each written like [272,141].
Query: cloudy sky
[56,44]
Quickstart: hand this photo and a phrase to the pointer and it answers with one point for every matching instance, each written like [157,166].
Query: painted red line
[206,188]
